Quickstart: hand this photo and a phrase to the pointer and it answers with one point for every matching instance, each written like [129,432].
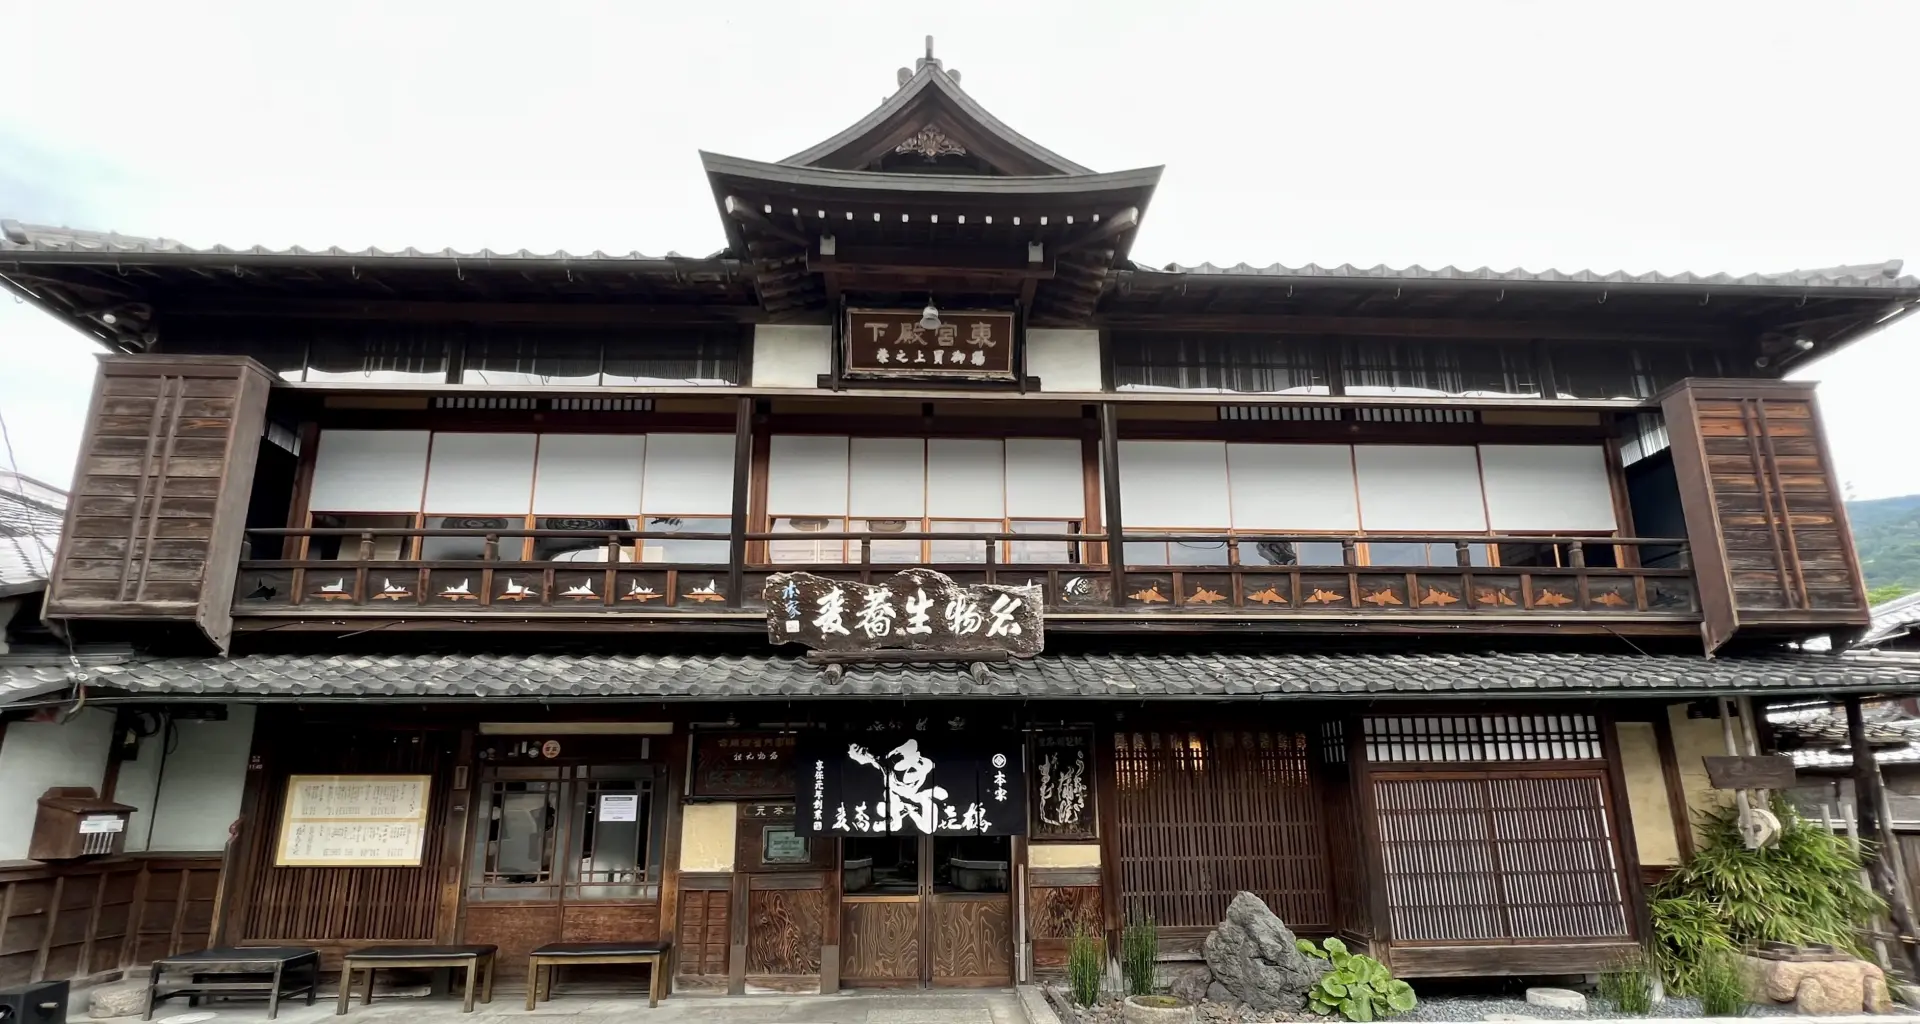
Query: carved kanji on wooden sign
[917,609]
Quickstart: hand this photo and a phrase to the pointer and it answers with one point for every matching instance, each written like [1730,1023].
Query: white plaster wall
[37,755]
[1064,360]
[791,355]
[200,784]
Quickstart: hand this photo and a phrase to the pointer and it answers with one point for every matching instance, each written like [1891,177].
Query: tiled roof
[1155,674]
[18,237]
[1867,275]
[30,518]
[1895,618]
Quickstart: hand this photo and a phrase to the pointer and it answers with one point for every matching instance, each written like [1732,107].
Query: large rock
[1818,986]
[1191,984]
[1253,960]
[125,999]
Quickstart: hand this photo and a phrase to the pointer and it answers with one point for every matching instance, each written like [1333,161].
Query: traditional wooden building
[504,597]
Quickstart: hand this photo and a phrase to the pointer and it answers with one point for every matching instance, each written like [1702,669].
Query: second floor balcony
[599,572]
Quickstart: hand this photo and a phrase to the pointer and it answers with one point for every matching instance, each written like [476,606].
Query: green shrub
[1722,986]
[1359,987]
[1805,889]
[1139,945]
[1628,984]
[1086,965]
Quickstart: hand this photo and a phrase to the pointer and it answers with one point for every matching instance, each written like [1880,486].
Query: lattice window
[1287,413]
[1456,738]
[1398,414]
[1493,857]
[1203,815]
[1333,742]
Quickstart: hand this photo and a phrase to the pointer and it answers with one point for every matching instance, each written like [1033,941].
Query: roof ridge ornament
[931,143]
[905,75]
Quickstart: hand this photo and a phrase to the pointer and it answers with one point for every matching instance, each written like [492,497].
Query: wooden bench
[279,965]
[546,958]
[373,958]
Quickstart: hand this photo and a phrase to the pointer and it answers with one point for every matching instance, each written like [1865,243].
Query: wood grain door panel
[880,942]
[972,939]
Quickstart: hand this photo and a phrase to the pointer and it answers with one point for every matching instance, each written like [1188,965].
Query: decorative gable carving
[931,143]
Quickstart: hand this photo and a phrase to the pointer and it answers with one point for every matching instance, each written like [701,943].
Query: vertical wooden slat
[46,936]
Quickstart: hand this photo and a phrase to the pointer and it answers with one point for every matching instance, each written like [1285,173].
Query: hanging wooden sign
[968,345]
[1062,785]
[1764,772]
[917,609]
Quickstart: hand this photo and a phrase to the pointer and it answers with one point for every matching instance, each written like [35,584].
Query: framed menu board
[353,821]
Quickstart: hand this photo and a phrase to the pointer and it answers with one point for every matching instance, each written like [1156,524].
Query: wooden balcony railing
[1600,578]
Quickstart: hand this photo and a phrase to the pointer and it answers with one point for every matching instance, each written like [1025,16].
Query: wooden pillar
[737,535]
[1866,794]
[1110,469]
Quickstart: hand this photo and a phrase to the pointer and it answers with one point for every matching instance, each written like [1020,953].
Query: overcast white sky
[1751,136]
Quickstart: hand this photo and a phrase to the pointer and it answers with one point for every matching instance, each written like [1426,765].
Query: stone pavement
[989,1006]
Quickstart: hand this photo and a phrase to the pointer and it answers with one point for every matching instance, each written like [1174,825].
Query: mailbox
[75,822]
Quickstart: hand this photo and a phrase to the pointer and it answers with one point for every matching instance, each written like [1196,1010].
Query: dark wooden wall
[73,921]
[159,503]
[334,909]
[1765,518]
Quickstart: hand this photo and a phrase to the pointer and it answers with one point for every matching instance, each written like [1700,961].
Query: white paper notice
[102,823]
[619,807]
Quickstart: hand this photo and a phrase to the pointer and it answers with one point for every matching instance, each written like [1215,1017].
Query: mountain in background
[1887,533]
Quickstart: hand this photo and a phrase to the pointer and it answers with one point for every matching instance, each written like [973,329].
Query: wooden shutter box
[158,511]
[1765,519]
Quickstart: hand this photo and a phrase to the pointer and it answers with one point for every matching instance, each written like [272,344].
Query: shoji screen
[1287,487]
[688,475]
[489,473]
[1045,479]
[886,477]
[369,471]
[1419,488]
[967,479]
[807,476]
[1540,487]
[1174,484]
[589,474]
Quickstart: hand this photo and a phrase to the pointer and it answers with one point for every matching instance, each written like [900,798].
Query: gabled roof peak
[930,119]
[905,75]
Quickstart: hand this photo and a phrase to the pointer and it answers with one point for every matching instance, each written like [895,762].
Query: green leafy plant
[1805,889]
[1358,987]
[1628,984]
[1722,986]
[1139,946]
[1086,964]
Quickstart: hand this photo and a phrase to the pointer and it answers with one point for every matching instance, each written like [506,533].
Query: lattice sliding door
[1204,814]
[1499,855]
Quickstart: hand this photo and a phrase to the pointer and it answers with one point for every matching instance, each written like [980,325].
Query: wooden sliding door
[923,911]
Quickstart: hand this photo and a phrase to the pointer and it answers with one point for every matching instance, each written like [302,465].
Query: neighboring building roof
[1818,737]
[1892,620]
[31,514]
[1140,675]
[1866,275]
[16,237]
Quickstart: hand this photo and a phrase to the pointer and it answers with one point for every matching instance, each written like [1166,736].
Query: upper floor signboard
[916,609]
[893,343]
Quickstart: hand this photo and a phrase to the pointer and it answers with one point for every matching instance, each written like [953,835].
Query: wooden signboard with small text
[353,821]
[968,345]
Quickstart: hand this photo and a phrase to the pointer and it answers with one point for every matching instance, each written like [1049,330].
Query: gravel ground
[1455,1008]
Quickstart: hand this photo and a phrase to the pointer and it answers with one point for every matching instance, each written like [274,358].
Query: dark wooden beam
[576,314]
[899,260]
[742,464]
[1409,327]
[1867,794]
[1110,461]
[746,213]
[1124,221]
